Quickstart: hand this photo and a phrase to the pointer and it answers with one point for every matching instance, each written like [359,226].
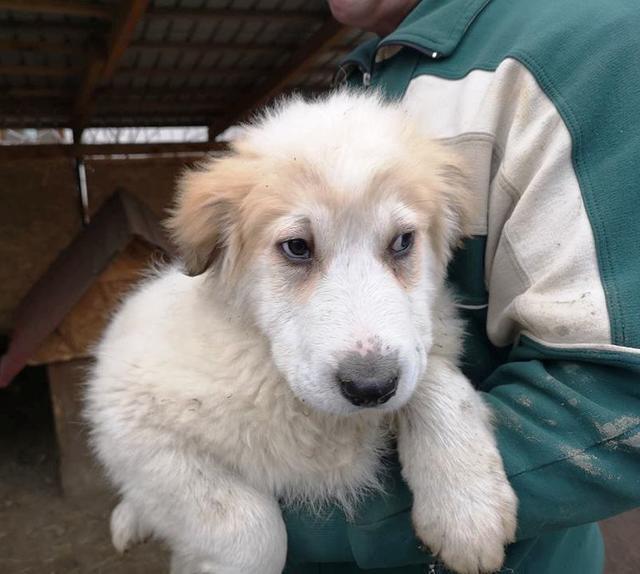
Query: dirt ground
[40,531]
[43,533]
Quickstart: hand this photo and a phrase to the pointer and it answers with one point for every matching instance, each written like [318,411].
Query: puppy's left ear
[450,179]
[203,220]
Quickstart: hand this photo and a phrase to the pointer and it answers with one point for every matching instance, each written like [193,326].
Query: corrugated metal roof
[183,62]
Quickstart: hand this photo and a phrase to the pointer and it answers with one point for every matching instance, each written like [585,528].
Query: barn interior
[102,104]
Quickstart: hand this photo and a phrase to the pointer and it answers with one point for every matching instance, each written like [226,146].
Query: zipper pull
[366,79]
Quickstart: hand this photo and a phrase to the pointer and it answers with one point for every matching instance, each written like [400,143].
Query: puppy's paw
[469,530]
[126,530]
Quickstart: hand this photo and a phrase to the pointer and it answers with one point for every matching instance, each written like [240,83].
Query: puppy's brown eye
[402,243]
[296,250]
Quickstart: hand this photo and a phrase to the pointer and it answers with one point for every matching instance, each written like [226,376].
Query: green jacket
[543,99]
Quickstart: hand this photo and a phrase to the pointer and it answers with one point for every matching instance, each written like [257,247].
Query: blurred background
[102,104]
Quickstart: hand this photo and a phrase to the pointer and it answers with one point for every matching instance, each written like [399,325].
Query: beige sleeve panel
[541,269]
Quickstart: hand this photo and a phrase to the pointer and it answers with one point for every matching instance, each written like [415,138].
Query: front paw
[469,528]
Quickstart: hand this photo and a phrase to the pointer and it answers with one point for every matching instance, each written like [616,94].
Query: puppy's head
[331,224]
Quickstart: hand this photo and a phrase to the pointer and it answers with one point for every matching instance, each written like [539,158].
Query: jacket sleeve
[569,432]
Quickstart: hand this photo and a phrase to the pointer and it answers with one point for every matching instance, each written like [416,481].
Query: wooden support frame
[78,28]
[80,475]
[102,65]
[198,47]
[39,71]
[80,8]
[41,151]
[36,93]
[40,47]
[246,15]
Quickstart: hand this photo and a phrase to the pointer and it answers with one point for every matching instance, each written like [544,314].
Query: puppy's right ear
[204,217]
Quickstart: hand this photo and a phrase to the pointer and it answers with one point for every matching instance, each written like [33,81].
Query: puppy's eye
[296,249]
[402,243]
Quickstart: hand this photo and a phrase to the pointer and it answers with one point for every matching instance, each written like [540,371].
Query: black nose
[369,380]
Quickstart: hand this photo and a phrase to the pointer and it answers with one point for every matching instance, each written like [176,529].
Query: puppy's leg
[464,508]
[211,519]
[126,528]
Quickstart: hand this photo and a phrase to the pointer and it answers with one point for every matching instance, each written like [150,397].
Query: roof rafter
[40,71]
[32,151]
[245,47]
[79,27]
[65,7]
[37,46]
[103,64]
[246,15]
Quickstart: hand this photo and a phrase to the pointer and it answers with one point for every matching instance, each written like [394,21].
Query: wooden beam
[246,15]
[329,34]
[221,73]
[37,46]
[58,28]
[90,80]
[199,47]
[102,66]
[160,94]
[132,13]
[40,151]
[39,71]
[80,476]
[80,8]
[35,93]
[175,95]
[148,107]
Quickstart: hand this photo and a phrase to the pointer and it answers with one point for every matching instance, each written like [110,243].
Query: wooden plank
[132,13]
[90,80]
[161,94]
[245,15]
[82,327]
[80,475]
[102,66]
[198,47]
[79,28]
[56,293]
[149,107]
[37,93]
[189,73]
[329,34]
[39,71]
[80,8]
[15,152]
[40,47]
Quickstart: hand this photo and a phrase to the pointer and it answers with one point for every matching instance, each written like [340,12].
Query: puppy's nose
[368,380]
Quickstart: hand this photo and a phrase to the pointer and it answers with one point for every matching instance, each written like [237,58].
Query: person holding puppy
[543,100]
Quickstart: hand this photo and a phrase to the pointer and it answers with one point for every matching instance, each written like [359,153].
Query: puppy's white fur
[214,397]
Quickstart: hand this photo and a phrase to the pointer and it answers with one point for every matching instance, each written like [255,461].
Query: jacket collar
[433,27]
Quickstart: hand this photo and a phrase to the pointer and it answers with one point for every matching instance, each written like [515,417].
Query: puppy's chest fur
[228,402]
[256,428]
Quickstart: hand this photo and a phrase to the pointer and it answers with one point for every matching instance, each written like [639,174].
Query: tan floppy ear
[458,199]
[204,216]
[450,179]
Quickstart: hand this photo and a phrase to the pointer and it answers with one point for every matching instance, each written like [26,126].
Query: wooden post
[80,475]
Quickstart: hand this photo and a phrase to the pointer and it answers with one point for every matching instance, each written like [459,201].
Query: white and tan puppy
[312,324]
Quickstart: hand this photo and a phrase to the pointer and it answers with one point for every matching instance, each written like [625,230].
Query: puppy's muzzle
[368,380]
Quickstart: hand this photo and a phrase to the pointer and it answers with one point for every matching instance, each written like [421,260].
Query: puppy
[309,323]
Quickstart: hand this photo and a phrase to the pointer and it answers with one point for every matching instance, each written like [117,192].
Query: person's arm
[569,432]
